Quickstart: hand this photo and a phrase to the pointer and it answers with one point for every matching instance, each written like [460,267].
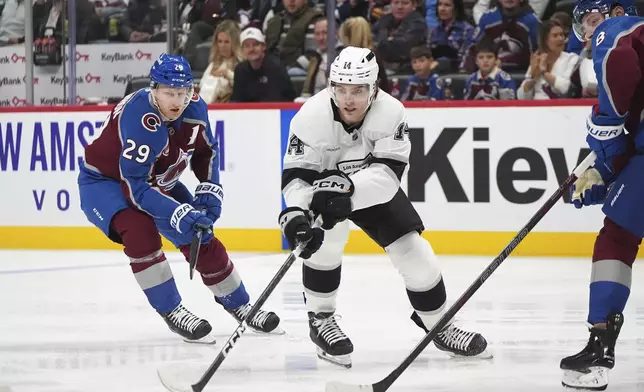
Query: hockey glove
[332,193]
[208,197]
[589,189]
[296,227]
[186,220]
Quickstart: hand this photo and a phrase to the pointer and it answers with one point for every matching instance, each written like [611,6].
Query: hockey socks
[154,276]
[610,284]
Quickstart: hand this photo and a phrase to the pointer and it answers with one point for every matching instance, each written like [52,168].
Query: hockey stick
[195,245]
[201,384]
[385,384]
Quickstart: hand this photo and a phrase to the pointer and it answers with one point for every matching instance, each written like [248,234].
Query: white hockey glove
[589,189]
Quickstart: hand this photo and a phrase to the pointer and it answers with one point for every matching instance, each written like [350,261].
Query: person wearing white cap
[260,78]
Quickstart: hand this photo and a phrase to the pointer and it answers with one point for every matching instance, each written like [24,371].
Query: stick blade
[337,386]
[173,381]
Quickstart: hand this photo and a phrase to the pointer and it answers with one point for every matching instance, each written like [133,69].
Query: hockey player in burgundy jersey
[130,189]
[615,134]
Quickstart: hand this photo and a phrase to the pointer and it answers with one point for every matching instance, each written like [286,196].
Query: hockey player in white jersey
[348,148]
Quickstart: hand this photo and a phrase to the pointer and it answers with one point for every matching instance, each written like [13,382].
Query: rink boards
[478,172]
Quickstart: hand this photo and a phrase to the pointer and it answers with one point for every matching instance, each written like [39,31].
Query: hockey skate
[190,327]
[332,344]
[588,369]
[262,321]
[457,342]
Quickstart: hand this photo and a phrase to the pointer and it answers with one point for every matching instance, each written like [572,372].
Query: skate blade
[207,340]
[340,360]
[486,354]
[276,331]
[596,379]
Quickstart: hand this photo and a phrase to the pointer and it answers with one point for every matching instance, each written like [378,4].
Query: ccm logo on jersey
[332,183]
[150,121]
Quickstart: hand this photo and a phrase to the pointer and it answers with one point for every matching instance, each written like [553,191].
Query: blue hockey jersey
[147,155]
[497,85]
[423,89]
[618,64]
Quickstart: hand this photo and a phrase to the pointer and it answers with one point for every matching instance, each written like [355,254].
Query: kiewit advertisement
[102,71]
[476,176]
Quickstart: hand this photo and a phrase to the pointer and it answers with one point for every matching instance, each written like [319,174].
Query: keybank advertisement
[473,170]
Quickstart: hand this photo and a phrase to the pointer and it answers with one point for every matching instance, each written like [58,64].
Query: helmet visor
[586,18]
[350,94]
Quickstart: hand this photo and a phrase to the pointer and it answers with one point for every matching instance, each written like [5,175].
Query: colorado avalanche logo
[168,180]
[509,47]
[150,121]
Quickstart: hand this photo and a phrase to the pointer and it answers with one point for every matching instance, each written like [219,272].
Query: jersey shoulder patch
[295,146]
[505,76]
[139,120]
[196,109]
[313,123]
[384,117]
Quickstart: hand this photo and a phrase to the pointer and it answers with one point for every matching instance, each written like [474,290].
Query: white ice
[77,321]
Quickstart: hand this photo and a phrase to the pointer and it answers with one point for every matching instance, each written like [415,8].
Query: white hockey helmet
[354,66]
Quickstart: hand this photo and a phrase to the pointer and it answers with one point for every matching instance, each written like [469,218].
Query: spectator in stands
[550,67]
[216,85]
[396,33]
[379,9]
[352,8]
[489,82]
[483,6]
[201,29]
[48,16]
[451,38]
[564,20]
[144,21]
[356,32]
[286,34]
[12,23]
[514,28]
[260,78]
[424,84]
[316,76]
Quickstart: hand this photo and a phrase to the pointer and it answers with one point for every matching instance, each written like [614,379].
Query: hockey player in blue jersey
[130,189]
[624,7]
[615,134]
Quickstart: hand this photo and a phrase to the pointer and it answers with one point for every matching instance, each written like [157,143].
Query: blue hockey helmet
[603,7]
[172,71]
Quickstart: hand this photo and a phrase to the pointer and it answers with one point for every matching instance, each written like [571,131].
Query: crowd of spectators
[276,50]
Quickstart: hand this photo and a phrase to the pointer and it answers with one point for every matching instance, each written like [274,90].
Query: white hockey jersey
[373,153]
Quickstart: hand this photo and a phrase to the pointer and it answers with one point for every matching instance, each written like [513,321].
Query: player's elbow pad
[606,141]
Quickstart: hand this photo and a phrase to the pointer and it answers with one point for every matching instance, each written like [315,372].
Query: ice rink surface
[77,321]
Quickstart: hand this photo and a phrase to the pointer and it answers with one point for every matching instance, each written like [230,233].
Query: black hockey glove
[296,227]
[332,193]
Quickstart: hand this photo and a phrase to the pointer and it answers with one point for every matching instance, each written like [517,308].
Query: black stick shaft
[385,383]
[201,384]
[194,252]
